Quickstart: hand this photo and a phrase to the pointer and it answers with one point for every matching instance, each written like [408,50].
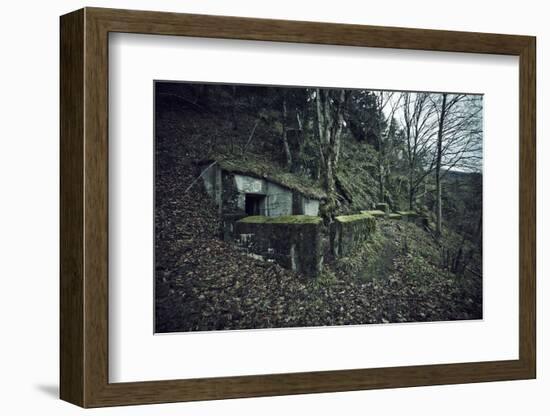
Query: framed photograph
[257,207]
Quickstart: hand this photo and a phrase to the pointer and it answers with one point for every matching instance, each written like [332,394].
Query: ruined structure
[349,232]
[241,190]
[275,215]
[293,242]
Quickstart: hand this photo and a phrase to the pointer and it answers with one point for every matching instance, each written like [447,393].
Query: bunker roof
[264,169]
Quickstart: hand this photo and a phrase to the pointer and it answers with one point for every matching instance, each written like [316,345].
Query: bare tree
[284,135]
[458,139]
[329,105]
[387,103]
[419,120]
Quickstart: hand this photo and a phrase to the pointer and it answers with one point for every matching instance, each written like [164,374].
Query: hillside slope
[204,283]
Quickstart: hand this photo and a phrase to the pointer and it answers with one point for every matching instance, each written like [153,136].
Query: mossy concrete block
[284,219]
[348,232]
[354,218]
[408,213]
[292,241]
[375,213]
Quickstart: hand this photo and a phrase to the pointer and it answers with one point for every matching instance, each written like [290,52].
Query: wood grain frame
[84,207]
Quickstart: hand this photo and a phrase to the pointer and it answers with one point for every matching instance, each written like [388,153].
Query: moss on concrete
[374,212]
[354,217]
[284,219]
[293,241]
[349,232]
[408,213]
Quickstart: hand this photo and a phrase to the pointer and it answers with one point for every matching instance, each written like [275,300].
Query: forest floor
[204,283]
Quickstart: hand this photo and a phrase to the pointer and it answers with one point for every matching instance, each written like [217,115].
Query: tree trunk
[330,120]
[381,188]
[411,197]
[381,158]
[234,121]
[438,208]
[411,186]
[286,147]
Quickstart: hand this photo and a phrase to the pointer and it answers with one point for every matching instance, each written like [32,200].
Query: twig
[251,136]
[200,176]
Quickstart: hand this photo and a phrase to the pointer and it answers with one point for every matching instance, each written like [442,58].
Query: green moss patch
[375,213]
[354,177]
[408,213]
[349,232]
[354,217]
[284,219]
[394,216]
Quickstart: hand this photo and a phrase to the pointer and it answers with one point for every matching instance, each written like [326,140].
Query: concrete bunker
[292,241]
[274,215]
[240,190]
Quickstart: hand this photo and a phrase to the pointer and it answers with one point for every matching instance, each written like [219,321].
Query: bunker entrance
[254,204]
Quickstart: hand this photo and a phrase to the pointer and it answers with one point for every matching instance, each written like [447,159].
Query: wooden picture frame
[84,207]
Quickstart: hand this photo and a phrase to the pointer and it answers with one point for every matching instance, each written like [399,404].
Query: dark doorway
[254,204]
